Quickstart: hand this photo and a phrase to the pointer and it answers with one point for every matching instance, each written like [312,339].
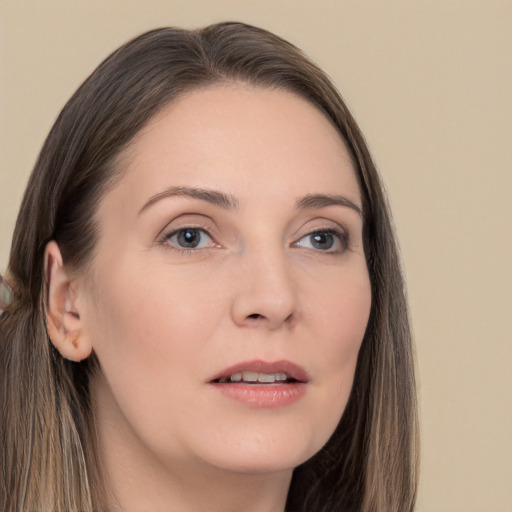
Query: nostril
[255,316]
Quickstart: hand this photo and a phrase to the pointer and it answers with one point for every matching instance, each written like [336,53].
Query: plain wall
[430,84]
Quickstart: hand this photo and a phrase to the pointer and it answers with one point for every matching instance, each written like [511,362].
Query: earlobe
[63,321]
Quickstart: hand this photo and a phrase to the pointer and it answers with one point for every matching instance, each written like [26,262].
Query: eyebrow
[226,201]
[313,201]
[229,202]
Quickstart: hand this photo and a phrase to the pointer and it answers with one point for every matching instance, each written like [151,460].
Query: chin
[262,465]
[263,454]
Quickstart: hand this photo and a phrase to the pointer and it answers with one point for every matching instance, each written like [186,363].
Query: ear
[65,327]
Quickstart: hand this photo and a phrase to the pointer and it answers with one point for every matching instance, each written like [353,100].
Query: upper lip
[292,370]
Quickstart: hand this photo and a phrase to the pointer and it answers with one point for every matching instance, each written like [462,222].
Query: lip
[263,396]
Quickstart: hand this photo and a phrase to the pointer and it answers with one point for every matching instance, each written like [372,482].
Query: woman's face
[229,293]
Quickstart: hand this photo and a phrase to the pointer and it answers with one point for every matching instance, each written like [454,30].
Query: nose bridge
[266,292]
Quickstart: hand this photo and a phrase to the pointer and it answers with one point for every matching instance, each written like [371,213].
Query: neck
[197,491]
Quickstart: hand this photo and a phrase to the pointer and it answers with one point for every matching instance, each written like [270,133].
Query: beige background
[430,84]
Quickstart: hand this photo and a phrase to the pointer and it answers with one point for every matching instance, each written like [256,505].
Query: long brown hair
[48,455]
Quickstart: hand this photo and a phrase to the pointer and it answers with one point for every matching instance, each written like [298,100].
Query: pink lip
[264,396]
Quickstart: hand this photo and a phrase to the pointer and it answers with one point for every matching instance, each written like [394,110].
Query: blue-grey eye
[325,240]
[190,238]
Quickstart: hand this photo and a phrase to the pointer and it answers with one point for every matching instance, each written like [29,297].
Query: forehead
[239,139]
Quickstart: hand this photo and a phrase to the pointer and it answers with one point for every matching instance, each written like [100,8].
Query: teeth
[248,376]
[266,377]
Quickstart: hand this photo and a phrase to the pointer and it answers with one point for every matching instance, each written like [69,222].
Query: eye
[189,238]
[327,240]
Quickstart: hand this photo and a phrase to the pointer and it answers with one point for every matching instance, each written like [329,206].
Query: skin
[163,321]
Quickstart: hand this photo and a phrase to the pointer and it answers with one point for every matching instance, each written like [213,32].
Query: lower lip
[264,396]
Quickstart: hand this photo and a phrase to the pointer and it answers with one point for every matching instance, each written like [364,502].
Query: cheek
[150,322]
[343,308]
[342,317]
[151,346]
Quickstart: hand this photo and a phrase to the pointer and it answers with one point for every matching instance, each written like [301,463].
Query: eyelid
[189,219]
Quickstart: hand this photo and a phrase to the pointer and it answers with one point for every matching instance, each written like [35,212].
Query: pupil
[322,240]
[189,238]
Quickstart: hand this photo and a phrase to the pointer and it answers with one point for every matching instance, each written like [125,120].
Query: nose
[265,293]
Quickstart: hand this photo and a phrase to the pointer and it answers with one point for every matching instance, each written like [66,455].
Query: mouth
[262,373]
[262,385]
[252,378]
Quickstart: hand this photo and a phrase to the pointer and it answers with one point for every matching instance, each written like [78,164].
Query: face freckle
[211,259]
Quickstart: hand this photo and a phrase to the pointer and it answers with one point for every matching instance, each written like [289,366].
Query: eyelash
[340,235]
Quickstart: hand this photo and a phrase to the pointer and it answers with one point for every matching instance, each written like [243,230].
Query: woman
[208,311]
